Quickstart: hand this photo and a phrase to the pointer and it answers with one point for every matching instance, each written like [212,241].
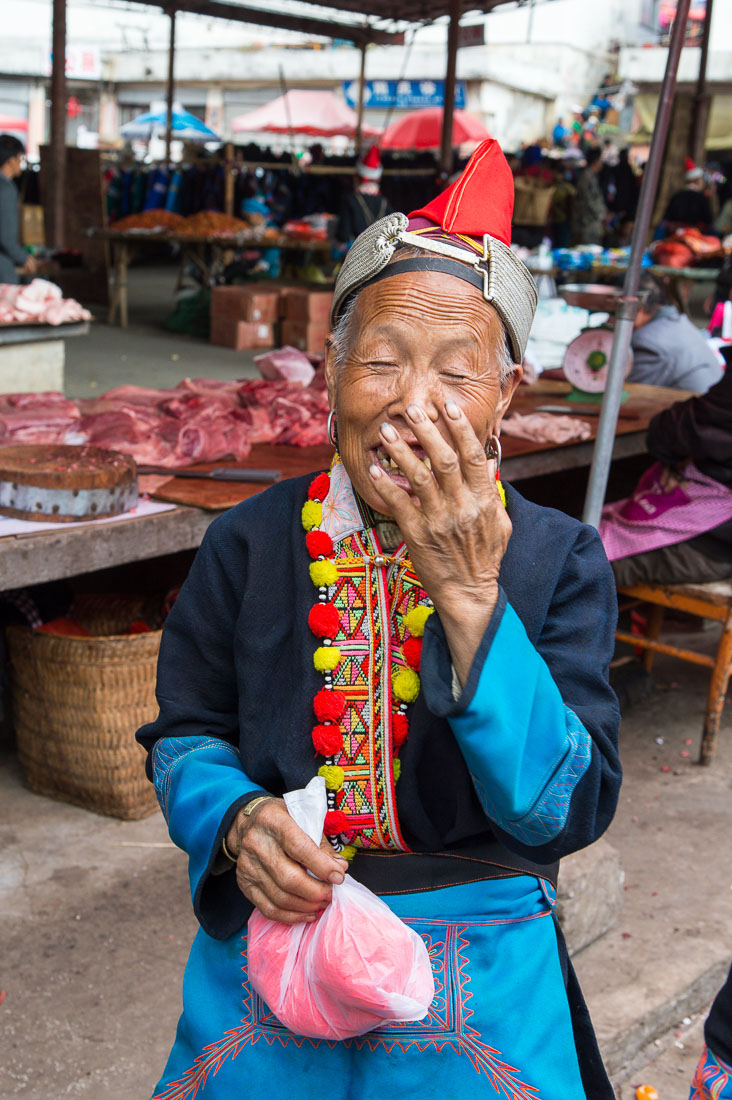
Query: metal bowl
[593,296]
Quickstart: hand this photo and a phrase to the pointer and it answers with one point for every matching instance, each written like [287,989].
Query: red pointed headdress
[465,232]
[479,201]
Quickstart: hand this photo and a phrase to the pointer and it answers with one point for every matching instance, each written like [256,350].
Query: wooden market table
[205,252]
[72,550]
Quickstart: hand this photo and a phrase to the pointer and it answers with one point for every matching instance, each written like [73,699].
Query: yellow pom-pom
[415,620]
[323,573]
[312,514]
[405,685]
[333,776]
[326,657]
[348,852]
[502,493]
[397,767]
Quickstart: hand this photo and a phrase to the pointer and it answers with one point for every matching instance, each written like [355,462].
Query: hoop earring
[332,428]
[493,451]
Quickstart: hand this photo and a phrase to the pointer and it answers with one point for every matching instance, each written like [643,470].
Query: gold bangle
[227,853]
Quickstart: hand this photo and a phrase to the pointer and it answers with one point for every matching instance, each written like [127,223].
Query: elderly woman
[436,648]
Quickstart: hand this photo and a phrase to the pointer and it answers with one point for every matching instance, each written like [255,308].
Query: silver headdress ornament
[503,279]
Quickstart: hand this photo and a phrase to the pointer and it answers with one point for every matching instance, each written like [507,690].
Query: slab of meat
[210,386]
[136,395]
[201,420]
[37,425]
[40,302]
[286,363]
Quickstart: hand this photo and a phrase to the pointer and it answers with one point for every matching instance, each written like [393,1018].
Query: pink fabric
[665,508]
[546,427]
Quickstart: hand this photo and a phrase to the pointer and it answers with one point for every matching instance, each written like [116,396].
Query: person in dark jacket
[433,647]
[689,206]
[12,255]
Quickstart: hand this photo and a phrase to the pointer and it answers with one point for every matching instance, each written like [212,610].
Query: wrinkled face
[421,338]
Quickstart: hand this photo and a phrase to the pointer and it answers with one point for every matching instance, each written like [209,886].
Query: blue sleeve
[537,722]
[525,749]
[193,754]
[201,785]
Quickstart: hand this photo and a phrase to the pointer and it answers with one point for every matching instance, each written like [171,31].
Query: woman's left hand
[457,529]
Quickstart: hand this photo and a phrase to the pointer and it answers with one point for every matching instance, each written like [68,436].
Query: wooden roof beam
[326,28]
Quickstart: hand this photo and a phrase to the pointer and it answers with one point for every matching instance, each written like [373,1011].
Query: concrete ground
[96,917]
[146,353]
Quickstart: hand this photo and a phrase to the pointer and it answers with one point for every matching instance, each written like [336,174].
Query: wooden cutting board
[217,496]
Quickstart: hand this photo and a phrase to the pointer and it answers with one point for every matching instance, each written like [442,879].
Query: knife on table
[223,473]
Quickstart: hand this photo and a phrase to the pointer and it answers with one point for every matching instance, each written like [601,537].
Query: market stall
[207,253]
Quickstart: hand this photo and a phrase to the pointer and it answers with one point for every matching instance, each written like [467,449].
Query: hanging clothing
[459,840]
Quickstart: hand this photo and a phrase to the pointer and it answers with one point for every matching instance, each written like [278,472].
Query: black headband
[422,263]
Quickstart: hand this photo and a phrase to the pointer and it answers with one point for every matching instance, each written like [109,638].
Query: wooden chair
[709,601]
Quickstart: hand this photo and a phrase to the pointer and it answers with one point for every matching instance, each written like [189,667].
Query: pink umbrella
[423,130]
[12,124]
[320,114]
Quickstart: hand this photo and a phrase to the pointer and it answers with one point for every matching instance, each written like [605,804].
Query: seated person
[676,528]
[668,350]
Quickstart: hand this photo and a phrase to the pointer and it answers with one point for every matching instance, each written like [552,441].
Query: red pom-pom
[329,705]
[323,620]
[319,544]
[412,650]
[399,729]
[319,487]
[328,740]
[336,822]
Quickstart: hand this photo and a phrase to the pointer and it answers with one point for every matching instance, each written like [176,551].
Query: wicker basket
[77,703]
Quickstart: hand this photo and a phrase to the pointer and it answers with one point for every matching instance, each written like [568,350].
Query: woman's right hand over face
[274,858]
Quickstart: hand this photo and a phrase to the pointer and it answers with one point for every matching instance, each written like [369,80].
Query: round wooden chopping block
[61,483]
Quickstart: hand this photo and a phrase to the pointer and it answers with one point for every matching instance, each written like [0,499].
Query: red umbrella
[14,125]
[320,114]
[423,130]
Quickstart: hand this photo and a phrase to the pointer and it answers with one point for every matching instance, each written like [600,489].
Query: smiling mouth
[387,463]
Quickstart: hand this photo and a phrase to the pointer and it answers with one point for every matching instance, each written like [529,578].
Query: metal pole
[700,111]
[171,88]
[628,302]
[448,105]
[58,126]
[358,139]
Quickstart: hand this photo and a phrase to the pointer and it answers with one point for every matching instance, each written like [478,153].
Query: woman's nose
[418,388]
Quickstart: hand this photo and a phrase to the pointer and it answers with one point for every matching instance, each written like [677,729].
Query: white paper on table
[9,525]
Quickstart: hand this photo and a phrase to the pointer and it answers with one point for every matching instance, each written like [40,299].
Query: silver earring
[333,428]
[493,450]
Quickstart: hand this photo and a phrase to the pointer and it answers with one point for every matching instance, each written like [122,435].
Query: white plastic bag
[354,968]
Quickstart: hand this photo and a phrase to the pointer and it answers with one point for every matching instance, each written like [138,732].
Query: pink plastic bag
[356,967]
